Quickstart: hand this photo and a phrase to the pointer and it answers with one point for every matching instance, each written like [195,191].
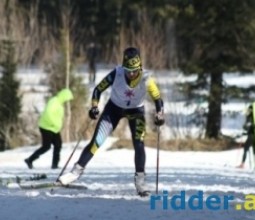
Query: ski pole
[251,157]
[71,155]
[157,172]
[68,160]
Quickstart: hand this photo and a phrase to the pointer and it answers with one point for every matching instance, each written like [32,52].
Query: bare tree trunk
[67,68]
[171,51]
[213,126]
[150,39]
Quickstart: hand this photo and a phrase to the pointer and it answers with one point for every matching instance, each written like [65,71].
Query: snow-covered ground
[111,193]
[109,178]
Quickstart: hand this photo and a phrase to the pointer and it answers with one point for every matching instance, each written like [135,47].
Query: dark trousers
[248,143]
[48,138]
[92,71]
[107,123]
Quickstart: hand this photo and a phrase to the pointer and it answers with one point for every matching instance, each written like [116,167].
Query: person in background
[50,125]
[249,128]
[129,85]
[92,53]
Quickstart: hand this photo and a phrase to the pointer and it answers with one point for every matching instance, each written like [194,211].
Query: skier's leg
[46,142]
[246,147]
[57,143]
[106,124]
[253,147]
[137,127]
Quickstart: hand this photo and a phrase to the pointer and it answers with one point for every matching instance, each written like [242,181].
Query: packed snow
[111,192]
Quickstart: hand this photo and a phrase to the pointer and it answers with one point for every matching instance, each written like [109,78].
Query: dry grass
[125,142]
[200,145]
[182,145]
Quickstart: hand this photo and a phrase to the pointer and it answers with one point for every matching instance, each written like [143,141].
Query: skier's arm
[248,125]
[154,93]
[102,86]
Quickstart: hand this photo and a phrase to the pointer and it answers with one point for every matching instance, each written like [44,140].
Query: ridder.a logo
[199,201]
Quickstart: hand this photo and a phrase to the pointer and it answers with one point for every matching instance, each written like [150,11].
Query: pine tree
[216,37]
[10,103]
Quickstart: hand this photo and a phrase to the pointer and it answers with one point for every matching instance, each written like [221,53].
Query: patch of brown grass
[182,144]
[199,145]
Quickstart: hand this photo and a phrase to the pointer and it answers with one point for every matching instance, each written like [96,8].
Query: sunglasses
[127,71]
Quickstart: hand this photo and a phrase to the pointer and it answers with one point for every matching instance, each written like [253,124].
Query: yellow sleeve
[153,89]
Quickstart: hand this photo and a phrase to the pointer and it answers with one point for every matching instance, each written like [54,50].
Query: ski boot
[140,185]
[241,166]
[29,163]
[70,177]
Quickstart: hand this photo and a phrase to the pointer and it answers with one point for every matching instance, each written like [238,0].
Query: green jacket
[53,115]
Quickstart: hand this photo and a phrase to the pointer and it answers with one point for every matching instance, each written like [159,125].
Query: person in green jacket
[50,125]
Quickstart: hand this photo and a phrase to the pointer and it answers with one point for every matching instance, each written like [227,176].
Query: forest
[207,38]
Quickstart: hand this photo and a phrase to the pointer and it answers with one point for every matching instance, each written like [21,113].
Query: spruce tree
[216,37]
[10,103]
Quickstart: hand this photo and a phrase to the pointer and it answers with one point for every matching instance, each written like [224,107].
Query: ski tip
[76,186]
[13,186]
[52,190]
[144,193]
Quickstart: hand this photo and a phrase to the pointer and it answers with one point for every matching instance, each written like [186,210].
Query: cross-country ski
[44,185]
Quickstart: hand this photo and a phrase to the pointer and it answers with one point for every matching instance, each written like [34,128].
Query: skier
[50,124]
[249,128]
[129,84]
[92,54]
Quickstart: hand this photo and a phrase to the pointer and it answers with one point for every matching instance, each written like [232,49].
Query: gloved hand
[247,126]
[94,112]
[159,118]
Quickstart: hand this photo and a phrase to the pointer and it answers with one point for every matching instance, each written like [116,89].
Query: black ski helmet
[131,59]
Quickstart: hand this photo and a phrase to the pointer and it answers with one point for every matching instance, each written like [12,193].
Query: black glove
[159,118]
[93,113]
[247,126]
